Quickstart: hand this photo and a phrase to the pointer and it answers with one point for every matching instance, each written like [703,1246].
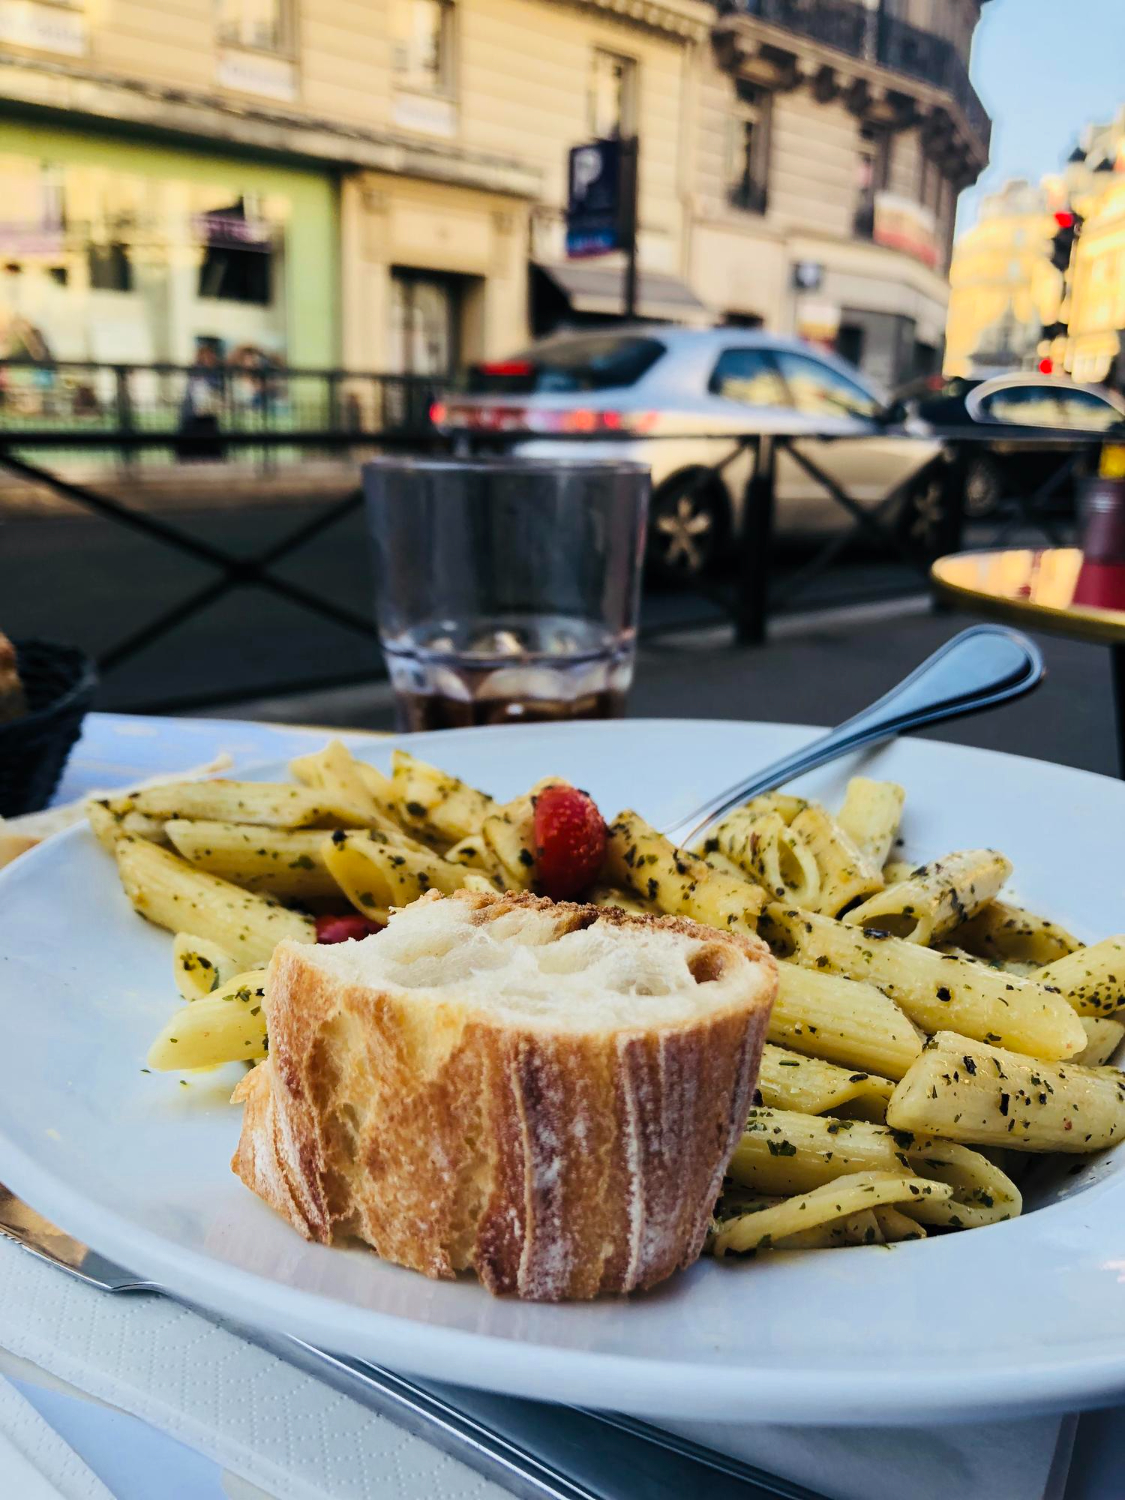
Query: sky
[1044,68]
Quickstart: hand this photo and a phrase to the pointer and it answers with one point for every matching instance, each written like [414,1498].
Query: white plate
[1017,1316]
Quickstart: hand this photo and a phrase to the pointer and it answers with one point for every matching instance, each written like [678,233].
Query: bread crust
[555,1164]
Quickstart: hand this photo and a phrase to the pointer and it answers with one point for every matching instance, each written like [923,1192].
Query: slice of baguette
[544,1092]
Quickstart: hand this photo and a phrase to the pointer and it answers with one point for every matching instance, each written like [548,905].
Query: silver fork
[979,668]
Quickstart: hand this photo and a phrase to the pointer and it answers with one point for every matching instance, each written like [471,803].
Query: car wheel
[920,520]
[686,527]
[984,489]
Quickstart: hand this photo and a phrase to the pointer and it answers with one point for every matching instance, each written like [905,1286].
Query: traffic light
[1062,246]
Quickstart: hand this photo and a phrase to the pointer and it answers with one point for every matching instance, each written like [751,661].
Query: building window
[262,25]
[872,168]
[748,166]
[613,95]
[237,256]
[424,40]
[109,266]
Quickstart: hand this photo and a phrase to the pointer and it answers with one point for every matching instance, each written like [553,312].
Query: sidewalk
[812,672]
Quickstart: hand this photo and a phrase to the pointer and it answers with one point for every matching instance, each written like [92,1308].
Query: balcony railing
[878,38]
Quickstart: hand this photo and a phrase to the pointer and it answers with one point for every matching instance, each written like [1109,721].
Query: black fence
[754,586]
[204,411]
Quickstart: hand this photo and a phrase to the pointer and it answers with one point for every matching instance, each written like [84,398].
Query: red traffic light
[1064,219]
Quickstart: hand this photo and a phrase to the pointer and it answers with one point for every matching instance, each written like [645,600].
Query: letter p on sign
[587,170]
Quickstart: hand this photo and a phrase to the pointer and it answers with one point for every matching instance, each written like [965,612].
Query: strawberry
[332,928]
[569,841]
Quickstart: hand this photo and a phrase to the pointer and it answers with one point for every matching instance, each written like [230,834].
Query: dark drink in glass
[507,591]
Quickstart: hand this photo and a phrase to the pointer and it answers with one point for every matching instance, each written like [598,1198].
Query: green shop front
[119,251]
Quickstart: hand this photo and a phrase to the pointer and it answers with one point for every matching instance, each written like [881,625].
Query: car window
[596,362]
[822,391]
[1050,406]
[1086,411]
[749,376]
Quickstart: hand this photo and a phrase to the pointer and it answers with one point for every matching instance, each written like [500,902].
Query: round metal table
[1036,589]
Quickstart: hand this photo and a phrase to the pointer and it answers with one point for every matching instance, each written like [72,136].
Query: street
[94,583]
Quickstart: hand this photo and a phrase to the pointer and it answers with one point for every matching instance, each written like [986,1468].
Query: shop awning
[601,289]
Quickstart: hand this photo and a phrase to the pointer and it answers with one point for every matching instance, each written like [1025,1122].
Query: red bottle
[1101,581]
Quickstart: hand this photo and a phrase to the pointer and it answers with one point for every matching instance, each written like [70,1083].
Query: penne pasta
[435,805]
[1103,1037]
[843,1021]
[273,805]
[168,891]
[764,848]
[376,876]
[336,772]
[678,882]
[509,836]
[609,895]
[782,803]
[783,1151]
[116,818]
[983,1192]
[938,991]
[474,852]
[281,862]
[200,966]
[870,816]
[895,1226]
[1091,979]
[1007,934]
[786,1080]
[877,1226]
[846,874]
[861,1192]
[227,1026]
[980,1095]
[935,898]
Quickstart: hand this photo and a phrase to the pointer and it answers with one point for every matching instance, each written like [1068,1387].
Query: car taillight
[484,417]
[582,419]
[506,367]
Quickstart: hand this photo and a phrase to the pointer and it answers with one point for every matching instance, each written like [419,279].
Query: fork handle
[983,666]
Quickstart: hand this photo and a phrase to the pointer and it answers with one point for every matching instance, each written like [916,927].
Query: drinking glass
[507,589]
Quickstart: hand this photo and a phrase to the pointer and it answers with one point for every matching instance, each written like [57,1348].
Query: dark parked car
[1002,470]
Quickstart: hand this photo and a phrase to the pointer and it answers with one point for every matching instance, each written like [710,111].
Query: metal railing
[199,408]
[754,588]
[879,38]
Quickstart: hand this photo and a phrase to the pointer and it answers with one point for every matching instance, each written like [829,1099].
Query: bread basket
[59,683]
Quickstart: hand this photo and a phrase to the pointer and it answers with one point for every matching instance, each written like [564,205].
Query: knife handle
[536,1450]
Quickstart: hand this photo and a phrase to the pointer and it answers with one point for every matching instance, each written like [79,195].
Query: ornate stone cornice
[76,91]
[777,58]
[690,20]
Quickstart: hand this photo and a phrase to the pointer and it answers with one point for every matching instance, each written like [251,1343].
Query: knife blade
[534,1449]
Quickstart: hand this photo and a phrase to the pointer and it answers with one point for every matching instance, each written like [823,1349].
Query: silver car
[660,395]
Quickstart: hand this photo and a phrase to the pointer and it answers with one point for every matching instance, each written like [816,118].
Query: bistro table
[1036,589]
